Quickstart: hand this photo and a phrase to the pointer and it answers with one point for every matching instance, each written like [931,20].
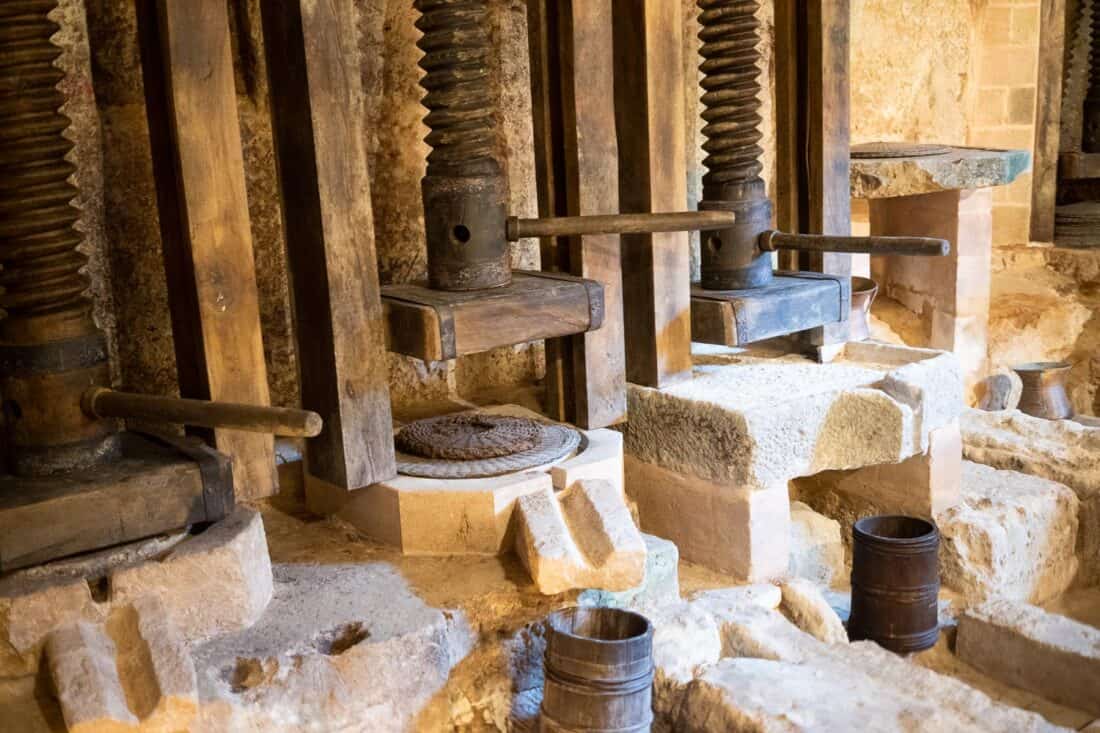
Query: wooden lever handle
[562,226]
[101,402]
[913,246]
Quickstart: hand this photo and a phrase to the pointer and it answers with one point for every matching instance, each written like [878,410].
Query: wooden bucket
[599,671]
[895,582]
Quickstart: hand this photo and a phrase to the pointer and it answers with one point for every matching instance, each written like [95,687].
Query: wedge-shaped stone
[583,538]
[1024,646]
[83,667]
[804,605]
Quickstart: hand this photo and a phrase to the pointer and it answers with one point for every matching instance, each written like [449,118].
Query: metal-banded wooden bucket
[599,672]
[895,582]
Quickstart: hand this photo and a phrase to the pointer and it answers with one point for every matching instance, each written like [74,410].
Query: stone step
[1024,646]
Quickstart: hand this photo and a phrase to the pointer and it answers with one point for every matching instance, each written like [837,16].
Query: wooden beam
[577,159]
[318,117]
[205,232]
[1048,119]
[649,116]
[813,145]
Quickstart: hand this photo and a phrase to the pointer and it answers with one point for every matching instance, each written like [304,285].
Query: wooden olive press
[72,480]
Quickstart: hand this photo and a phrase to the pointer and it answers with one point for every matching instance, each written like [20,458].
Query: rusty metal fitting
[731,258]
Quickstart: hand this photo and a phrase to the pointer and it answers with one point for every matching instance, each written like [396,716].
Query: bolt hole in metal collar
[479,445]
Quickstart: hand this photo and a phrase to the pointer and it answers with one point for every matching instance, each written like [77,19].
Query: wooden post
[317,112]
[205,232]
[1048,118]
[572,85]
[813,147]
[649,115]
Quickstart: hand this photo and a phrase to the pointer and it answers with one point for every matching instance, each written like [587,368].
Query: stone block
[86,680]
[1012,535]
[817,546]
[742,532]
[425,516]
[924,485]
[661,585]
[1058,450]
[30,611]
[344,647]
[582,538]
[1024,646]
[213,583]
[807,608]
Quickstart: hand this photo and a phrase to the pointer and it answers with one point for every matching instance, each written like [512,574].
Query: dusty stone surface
[82,665]
[354,631]
[960,168]
[1059,450]
[216,582]
[807,608]
[1002,391]
[756,422]
[817,546]
[28,615]
[1025,646]
[1013,535]
[583,538]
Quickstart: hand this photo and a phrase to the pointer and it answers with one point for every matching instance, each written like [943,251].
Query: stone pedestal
[948,196]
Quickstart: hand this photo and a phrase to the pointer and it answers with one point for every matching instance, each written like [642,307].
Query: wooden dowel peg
[100,402]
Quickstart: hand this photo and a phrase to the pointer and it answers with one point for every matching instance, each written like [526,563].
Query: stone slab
[1058,450]
[960,168]
[661,584]
[351,645]
[808,609]
[1025,646]
[817,546]
[425,516]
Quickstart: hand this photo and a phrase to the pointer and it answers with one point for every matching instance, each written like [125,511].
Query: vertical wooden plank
[318,117]
[205,231]
[813,141]
[649,116]
[575,40]
[1048,118]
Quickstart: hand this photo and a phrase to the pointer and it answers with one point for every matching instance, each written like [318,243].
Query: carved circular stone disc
[552,442]
[468,436]
[897,150]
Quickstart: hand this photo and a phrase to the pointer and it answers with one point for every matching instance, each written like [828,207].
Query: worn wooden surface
[152,489]
[790,303]
[1074,166]
[1048,119]
[203,211]
[439,324]
[649,109]
[576,157]
[812,140]
[317,110]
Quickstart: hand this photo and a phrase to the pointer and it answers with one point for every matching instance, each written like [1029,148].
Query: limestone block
[215,582]
[924,485]
[726,601]
[82,665]
[686,640]
[755,422]
[960,168]
[661,585]
[29,611]
[741,532]
[1024,646]
[350,646]
[1012,535]
[1002,391]
[807,608]
[582,538]
[817,547]
[1059,450]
